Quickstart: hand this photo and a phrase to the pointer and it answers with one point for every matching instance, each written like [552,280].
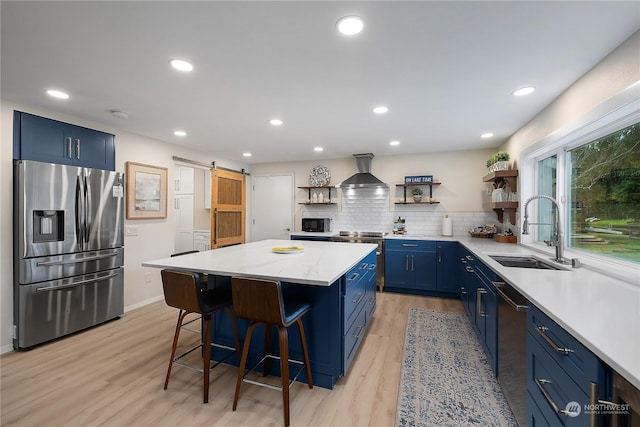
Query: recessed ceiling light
[394,143]
[380,109]
[181,65]
[276,122]
[246,154]
[350,25]
[486,135]
[58,94]
[524,91]
[180,133]
[318,149]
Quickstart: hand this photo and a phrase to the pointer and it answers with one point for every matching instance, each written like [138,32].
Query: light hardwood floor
[113,375]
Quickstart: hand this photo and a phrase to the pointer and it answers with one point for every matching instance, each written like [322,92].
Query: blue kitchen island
[338,279]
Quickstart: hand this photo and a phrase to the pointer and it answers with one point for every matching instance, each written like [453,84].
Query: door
[272,207]
[227,208]
[183,209]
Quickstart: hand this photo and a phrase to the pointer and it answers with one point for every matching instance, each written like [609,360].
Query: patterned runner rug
[445,378]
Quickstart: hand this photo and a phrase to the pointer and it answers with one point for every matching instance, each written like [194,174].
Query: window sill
[618,269]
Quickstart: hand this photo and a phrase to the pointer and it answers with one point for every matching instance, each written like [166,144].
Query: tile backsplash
[370,209]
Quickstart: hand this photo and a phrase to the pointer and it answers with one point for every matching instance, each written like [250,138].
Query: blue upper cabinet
[46,140]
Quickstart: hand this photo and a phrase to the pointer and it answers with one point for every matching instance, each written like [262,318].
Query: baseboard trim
[143,303]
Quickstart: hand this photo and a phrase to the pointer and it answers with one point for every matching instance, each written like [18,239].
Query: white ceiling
[446,70]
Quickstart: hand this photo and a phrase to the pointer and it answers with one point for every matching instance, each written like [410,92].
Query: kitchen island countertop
[320,263]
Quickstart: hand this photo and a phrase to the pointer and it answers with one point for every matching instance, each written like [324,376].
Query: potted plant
[498,162]
[417,195]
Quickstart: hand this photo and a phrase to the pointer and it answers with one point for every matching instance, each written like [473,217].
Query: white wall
[155,238]
[460,194]
[616,72]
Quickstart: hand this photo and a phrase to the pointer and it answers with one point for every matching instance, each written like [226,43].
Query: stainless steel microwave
[316,225]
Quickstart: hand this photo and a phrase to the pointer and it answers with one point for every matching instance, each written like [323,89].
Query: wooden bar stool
[261,302]
[183,291]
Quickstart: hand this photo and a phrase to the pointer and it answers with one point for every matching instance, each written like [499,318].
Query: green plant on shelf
[500,156]
[416,192]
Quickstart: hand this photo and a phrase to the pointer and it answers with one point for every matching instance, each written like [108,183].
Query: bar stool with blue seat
[261,302]
[182,290]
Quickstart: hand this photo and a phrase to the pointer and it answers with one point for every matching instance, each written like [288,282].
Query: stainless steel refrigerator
[68,249]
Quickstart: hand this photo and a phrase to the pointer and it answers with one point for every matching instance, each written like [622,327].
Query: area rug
[445,378]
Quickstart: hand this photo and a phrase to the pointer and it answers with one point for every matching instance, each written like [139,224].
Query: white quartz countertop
[602,312]
[315,234]
[320,263]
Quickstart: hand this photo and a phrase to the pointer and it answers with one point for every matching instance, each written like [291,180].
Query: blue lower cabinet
[479,297]
[410,266]
[560,372]
[447,267]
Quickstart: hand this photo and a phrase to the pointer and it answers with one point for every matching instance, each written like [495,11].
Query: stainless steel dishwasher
[512,349]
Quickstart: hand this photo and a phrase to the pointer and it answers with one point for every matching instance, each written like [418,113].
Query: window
[591,167]
[603,190]
[597,179]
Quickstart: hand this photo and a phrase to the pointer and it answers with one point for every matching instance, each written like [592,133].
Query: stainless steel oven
[367,237]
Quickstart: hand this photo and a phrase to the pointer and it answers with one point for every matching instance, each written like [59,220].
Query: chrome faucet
[558,240]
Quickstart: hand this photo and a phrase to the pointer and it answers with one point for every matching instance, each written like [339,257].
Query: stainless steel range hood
[363,178]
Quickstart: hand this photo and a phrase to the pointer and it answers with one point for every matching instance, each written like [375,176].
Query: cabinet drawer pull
[357,335]
[542,331]
[410,245]
[358,298]
[469,269]
[469,258]
[463,291]
[541,382]
[479,293]
[69,148]
[353,277]
[363,266]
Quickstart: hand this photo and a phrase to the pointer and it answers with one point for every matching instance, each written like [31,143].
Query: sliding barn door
[227,208]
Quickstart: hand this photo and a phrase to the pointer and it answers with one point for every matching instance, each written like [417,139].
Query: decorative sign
[418,179]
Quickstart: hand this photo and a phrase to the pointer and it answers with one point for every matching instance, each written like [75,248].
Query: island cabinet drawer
[578,361]
[353,337]
[354,299]
[412,245]
[558,398]
[355,291]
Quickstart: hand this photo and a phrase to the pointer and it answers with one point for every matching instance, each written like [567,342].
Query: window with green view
[603,195]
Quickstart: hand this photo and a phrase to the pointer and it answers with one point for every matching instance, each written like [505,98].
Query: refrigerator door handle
[73,285]
[87,211]
[76,260]
[79,214]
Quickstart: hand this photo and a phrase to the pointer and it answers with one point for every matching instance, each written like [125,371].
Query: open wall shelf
[326,201]
[429,200]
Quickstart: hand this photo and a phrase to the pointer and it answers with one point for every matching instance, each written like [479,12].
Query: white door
[272,207]
[183,209]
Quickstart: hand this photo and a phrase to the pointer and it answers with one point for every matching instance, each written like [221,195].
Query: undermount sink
[525,261]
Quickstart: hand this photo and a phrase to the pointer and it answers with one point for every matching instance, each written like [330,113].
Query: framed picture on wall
[146,191]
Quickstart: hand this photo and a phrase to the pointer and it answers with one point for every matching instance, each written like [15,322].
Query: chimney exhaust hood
[363,178]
